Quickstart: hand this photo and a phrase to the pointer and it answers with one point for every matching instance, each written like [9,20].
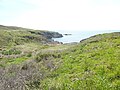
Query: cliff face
[51,35]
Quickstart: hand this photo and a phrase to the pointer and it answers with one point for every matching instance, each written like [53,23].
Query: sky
[79,15]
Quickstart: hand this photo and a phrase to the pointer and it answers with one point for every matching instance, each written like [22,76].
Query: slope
[94,64]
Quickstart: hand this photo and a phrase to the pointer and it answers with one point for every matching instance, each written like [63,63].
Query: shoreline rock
[67,34]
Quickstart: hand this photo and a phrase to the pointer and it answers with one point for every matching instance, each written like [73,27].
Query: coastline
[80,35]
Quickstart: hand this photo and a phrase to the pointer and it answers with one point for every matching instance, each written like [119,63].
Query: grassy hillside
[16,36]
[19,47]
[94,64]
[29,61]
[21,43]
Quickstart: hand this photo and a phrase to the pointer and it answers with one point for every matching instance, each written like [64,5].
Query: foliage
[28,62]
[11,51]
[92,65]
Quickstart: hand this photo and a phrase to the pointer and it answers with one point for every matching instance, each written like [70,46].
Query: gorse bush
[29,54]
[47,56]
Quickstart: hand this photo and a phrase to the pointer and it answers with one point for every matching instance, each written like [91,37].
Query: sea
[77,36]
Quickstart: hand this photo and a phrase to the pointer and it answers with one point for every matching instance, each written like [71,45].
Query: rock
[67,34]
[51,35]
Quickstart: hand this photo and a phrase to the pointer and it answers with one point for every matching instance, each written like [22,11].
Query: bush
[29,54]
[47,56]
[11,51]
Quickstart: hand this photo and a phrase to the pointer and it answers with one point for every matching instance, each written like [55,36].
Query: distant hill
[19,35]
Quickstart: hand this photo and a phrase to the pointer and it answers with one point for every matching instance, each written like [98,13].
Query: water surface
[79,35]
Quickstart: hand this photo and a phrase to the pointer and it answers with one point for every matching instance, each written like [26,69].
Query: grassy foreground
[94,64]
[29,61]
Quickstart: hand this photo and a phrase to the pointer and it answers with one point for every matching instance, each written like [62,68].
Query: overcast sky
[61,14]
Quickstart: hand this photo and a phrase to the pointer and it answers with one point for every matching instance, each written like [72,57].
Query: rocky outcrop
[46,34]
[67,34]
[51,35]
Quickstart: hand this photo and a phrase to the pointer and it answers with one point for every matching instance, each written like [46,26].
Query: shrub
[11,51]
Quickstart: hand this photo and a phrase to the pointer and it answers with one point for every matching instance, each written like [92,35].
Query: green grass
[92,65]
[10,61]
[17,60]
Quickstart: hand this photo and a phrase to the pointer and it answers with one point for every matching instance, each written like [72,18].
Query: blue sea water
[77,36]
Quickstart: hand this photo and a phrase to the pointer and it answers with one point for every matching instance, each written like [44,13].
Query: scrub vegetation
[30,60]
